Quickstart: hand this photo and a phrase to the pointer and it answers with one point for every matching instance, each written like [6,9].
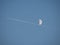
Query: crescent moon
[40,22]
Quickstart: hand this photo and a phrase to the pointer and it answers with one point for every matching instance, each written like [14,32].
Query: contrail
[18,20]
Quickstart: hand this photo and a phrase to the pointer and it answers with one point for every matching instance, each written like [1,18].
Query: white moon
[40,22]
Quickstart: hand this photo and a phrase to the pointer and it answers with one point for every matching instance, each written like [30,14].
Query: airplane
[39,21]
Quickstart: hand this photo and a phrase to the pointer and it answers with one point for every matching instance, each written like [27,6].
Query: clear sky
[14,32]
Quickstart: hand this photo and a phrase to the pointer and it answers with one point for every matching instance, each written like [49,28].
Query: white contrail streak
[14,19]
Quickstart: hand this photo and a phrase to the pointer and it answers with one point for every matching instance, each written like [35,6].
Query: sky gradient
[14,32]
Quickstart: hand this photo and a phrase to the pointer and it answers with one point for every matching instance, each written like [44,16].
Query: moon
[40,22]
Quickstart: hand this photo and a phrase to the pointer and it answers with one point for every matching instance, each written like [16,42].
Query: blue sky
[19,33]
